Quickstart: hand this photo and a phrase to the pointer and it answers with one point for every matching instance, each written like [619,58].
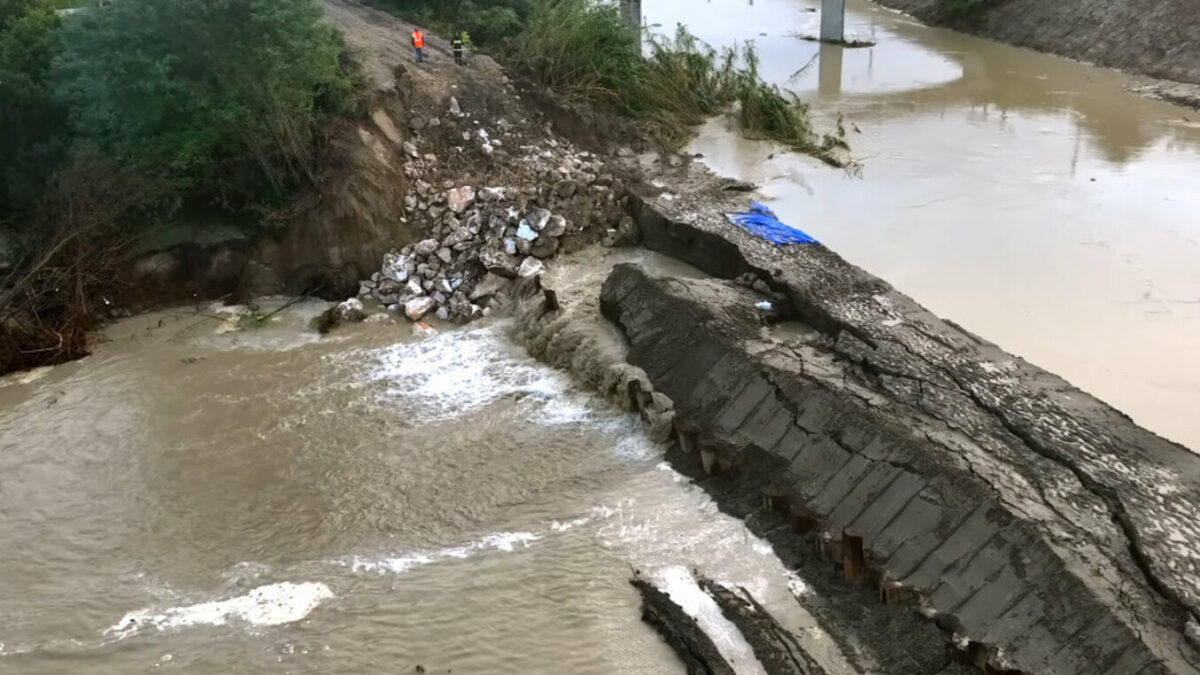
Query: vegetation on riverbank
[585,50]
[117,117]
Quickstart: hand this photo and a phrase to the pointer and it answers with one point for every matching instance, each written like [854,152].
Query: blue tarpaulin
[761,222]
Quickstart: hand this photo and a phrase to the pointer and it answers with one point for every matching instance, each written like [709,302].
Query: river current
[208,500]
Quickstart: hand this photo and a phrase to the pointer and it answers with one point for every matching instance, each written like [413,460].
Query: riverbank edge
[1046,534]
[1147,83]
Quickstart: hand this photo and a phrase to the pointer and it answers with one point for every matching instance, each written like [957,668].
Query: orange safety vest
[418,39]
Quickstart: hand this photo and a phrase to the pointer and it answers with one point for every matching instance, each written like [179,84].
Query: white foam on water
[457,372]
[506,542]
[678,582]
[270,605]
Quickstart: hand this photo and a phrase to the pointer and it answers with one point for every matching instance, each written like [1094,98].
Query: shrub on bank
[584,49]
[120,114]
[226,96]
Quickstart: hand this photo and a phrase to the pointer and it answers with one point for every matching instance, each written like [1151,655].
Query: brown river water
[1029,198]
[201,500]
[207,500]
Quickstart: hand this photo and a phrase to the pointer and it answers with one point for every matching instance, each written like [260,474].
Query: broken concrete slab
[974,490]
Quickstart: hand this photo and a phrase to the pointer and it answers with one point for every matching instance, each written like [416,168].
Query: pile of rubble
[484,241]
[478,240]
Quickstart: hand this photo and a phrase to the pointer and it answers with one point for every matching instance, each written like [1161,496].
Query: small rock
[379,317]
[526,231]
[423,330]
[426,247]
[492,194]
[454,107]
[388,298]
[510,246]
[445,254]
[487,148]
[524,247]
[565,188]
[395,268]
[675,161]
[459,199]
[350,311]
[443,313]
[538,218]
[417,308]
[628,233]
[411,149]
[530,267]
[545,247]
[414,287]
[499,262]
[556,227]
[625,152]
[389,287]
[491,285]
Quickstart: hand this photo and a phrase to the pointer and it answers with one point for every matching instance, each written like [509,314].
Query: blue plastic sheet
[761,222]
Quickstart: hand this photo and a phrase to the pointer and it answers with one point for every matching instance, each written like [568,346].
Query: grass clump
[585,50]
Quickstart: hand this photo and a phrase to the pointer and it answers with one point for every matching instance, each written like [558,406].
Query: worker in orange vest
[418,40]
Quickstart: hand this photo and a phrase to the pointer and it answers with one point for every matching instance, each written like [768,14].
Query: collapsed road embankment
[1043,529]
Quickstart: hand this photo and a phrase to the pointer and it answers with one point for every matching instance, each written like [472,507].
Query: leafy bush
[222,97]
[32,121]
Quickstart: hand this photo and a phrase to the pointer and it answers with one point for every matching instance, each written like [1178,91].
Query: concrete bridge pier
[631,11]
[833,20]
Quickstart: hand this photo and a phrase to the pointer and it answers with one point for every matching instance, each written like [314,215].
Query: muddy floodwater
[199,499]
[1026,197]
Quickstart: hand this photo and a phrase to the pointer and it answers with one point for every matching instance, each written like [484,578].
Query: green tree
[32,121]
[222,97]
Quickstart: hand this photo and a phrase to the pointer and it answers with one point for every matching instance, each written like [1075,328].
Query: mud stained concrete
[1040,528]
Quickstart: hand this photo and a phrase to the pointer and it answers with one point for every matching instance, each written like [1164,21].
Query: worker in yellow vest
[418,42]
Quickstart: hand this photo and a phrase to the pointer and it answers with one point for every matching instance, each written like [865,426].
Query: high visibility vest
[418,39]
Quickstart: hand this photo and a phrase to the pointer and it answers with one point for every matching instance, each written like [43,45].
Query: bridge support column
[631,11]
[833,20]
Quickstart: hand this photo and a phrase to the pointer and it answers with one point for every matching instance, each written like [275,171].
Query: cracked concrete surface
[1035,521]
